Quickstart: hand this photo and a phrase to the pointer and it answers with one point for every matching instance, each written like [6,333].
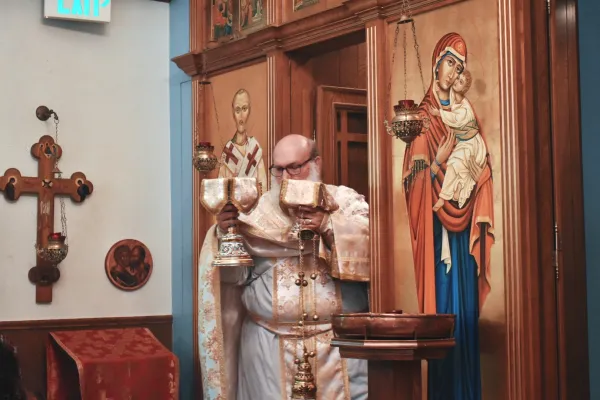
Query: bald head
[294,151]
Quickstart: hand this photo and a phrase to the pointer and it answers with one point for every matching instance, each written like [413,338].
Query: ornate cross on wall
[46,186]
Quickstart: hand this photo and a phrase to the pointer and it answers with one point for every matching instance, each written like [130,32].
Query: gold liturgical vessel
[243,194]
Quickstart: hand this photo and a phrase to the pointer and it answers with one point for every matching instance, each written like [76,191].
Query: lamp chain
[63,213]
[389,92]
[405,72]
[414,31]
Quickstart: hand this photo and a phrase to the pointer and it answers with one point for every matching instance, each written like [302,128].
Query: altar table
[111,364]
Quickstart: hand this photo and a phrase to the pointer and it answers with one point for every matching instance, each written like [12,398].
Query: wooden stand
[394,366]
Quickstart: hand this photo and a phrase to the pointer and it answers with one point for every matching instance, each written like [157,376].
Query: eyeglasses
[292,169]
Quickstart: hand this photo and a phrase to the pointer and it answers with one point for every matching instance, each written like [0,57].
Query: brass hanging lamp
[205,160]
[407,123]
[56,248]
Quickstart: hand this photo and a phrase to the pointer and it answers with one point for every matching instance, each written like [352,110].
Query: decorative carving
[301,4]
[46,186]
[128,264]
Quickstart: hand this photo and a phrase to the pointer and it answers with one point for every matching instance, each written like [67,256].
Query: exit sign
[81,10]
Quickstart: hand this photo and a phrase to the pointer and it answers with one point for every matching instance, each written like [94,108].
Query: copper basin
[394,325]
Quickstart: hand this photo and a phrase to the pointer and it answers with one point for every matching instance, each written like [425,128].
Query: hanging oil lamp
[205,160]
[56,248]
[407,123]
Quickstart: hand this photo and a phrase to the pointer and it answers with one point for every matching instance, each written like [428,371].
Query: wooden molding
[85,323]
[573,367]
[546,356]
[350,17]
[278,99]
[30,338]
[380,173]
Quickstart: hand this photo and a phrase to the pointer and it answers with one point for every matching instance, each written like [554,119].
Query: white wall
[109,85]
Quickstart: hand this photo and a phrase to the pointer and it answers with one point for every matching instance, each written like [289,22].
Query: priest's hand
[228,217]
[311,218]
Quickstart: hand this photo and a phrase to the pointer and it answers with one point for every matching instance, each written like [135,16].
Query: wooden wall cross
[46,186]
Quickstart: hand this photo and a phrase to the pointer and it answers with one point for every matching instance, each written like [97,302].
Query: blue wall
[181,195]
[589,58]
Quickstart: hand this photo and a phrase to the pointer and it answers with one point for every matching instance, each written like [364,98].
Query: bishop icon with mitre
[242,154]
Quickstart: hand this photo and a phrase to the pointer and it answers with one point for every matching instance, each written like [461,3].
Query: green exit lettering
[82,7]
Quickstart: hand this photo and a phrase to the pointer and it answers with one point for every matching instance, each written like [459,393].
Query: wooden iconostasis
[324,70]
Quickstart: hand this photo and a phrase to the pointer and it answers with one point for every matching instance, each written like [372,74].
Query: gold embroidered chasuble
[248,317]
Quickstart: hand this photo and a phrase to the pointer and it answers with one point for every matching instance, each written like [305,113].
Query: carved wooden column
[278,97]
[380,171]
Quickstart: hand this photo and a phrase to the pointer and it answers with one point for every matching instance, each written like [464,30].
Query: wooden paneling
[352,148]
[568,202]
[327,98]
[30,338]
[339,63]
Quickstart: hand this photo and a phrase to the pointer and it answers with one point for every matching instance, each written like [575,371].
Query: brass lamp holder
[56,249]
[408,123]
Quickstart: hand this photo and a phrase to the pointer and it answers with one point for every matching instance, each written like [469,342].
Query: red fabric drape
[114,364]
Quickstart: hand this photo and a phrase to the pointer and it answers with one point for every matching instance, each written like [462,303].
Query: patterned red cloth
[112,364]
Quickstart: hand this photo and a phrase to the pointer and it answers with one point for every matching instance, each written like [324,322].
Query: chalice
[243,194]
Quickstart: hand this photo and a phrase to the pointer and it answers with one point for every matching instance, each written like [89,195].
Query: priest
[252,328]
